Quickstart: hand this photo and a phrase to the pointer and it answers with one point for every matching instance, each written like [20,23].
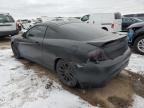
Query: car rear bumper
[7,33]
[93,75]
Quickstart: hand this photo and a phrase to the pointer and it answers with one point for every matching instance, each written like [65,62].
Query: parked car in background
[108,21]
[136,37]
[8,25]
[26,24]
[127,21]
[139,16]
[81,54]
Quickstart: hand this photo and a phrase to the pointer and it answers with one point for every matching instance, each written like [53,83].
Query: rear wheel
[66,72]
[139,45]
[15,51]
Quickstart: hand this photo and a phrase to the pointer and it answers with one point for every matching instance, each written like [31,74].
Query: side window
[51,34]
[85,18]
[126,20]
[37,32]
[132,20]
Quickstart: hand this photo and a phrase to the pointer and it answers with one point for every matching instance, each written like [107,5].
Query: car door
[31,46]
[50,49]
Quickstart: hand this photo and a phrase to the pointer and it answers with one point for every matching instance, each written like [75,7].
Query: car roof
[4,14]
[58,23]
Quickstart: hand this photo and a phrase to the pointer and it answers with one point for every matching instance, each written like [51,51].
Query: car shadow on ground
[117,93]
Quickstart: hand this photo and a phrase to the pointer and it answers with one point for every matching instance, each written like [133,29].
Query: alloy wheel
[65,72]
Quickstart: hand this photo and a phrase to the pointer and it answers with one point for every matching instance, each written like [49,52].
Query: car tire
[15,51]
[66,72]
[139,45]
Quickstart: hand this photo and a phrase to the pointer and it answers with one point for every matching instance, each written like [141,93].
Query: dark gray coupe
[81,54]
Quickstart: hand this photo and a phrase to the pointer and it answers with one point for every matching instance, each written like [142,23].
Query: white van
[7,25]
[108,21]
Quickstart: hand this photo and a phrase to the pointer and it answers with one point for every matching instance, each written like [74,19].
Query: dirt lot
[117,93]
[4,43]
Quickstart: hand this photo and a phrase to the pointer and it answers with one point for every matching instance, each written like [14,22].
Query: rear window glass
[6,19]
[80,32]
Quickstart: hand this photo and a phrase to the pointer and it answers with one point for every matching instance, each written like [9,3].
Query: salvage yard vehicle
[136,37]
[26,24]
[108,21]
[139,16]
[7,25]
[127,21]
[81,54]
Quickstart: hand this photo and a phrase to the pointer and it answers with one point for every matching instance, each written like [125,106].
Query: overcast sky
[37,8]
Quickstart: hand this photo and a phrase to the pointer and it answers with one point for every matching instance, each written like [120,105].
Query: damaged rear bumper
[92,75]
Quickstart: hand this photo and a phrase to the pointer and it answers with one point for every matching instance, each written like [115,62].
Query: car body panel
[98,74]
[47,50]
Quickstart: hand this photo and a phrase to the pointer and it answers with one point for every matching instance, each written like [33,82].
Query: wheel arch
[56,61]
[135,37]
[105,28]
[75,60]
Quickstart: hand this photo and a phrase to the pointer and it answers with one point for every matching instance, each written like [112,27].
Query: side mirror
[24,35]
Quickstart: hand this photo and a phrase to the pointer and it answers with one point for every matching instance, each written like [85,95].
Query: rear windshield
[81,32]
[6,19]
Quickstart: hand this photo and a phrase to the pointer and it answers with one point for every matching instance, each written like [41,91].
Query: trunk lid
[112,47]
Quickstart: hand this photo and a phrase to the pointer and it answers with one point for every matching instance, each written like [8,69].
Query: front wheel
[139,45]
[66,72]
[15,51]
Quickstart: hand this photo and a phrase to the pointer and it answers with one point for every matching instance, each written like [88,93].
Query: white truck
[108,21]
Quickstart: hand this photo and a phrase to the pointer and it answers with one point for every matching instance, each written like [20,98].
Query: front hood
[140,24]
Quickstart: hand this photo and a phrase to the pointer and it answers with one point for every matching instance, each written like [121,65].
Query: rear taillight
[97,55]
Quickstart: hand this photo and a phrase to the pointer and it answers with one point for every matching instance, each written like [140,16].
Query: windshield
[6,19]
[85,18]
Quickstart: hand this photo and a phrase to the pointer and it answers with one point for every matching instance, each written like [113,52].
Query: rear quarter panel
[66,49]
